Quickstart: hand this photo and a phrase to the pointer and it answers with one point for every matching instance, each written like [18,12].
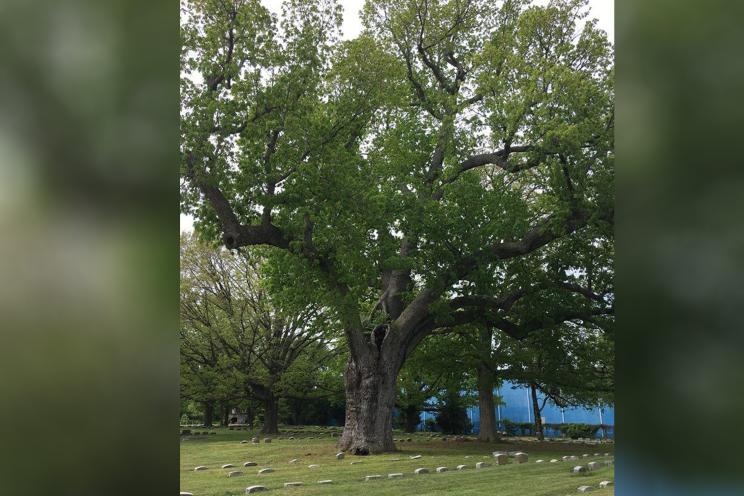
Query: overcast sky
[602,10]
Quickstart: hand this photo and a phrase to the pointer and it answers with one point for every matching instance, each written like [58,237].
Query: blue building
[518,408]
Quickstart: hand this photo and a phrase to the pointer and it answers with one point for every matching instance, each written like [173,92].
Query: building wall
[517,407]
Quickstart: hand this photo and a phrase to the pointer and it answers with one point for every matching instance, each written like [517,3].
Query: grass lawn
[513,479]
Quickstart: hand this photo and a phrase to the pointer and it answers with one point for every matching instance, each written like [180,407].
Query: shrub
[576,431]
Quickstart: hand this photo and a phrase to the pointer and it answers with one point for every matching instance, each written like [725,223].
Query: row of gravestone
[602,485]
[255,489]
[188,432]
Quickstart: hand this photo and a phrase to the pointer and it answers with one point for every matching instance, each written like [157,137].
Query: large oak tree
[397,173]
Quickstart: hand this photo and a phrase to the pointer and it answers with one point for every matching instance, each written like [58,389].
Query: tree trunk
[412,418]
[208,413]
[370,396]
[536,409]
[271,415]
[486,405]
[225,412]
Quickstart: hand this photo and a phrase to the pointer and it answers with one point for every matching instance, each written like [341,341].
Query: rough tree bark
[488,431]
[208,413]
[271,414]
[370,396]
[536,410]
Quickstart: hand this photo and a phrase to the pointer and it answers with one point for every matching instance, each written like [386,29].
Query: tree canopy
[412,179]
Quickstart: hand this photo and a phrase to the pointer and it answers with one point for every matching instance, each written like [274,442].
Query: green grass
[554,479]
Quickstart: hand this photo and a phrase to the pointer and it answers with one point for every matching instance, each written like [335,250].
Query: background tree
[394,173]
[256,342]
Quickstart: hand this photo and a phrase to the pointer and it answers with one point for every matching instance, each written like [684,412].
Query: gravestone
[267,440]
[313,466]
[585,489]
[255,440]
[228,465]
[580,469]
[294,460]
[356,462]
[255,489]
[250,464]
[593,465]
[199,468]
[265,471]
[235,473]
[339,456]
[540,461]
[420,471]
[553,460]
[462,467]
[501,459]
[481,465]
[292,484]
[604,484]
[372,477]
[325,481]
[243,442]
[185,494]
[441,469]
[416,457]
[395,475]
[520,457]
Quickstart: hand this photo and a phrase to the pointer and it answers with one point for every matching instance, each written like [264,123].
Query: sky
[602,10]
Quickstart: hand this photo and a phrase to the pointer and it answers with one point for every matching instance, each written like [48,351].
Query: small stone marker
[339,456]
[585,455]
[462,467]
[235,473]
[540,461]
[596,454]
[228,465]
[255,440]
[243,441]
[580,469]
[291,438]
[325,482]
[294,460]
[501,459]
[520,457]
[395,475]
[593,465]
[356,462]
[250,464]
[394,459]
[420,471]
[585,489]
[292,484]
[199,468]
[605,484]
[267,440]
[313,466]
[441,469]
[185,494]
[481,465]
[416,457]
[553,460]
[372,477]
[606,454]
[255,489]
[265,471]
